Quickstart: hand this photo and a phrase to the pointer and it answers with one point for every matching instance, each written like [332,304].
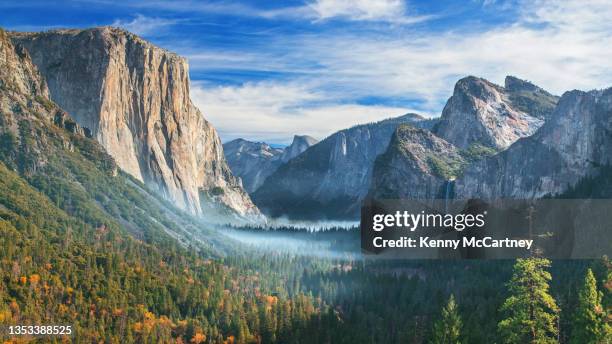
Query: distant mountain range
[330,179]
[516,140]
[253,162]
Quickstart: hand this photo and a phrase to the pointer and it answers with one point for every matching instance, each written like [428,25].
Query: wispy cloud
[266,70]
[144,26]
[560,46]
[394,11]
[274,112]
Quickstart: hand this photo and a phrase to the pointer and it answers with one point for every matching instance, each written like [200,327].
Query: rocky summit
[495,116]
[253,162]
[417,165]
[573,144]
[299,144]
[134,99]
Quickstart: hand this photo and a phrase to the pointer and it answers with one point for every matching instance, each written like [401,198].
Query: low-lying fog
[337,240]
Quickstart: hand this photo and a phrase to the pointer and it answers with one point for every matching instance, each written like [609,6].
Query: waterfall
[447,194]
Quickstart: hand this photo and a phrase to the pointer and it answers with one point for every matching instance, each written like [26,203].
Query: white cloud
[142,25]
[558,45]
[274,112]
[356,10]
[385,10]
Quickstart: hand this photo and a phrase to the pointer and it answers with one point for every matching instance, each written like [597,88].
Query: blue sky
[265,70]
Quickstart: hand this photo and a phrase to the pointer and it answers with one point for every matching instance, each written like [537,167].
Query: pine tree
[447,329]
[533,312]
[589,319]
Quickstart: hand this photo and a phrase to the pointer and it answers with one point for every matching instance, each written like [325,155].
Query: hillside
[86,245]
[330,179]
[134,98]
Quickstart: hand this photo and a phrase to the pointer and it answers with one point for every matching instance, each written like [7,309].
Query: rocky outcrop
[484,113]
[29,120]
[330,179]
[253,162]
[299,144]
[417,165]
[134,98]
[530,98]
[19,76]
[575,142]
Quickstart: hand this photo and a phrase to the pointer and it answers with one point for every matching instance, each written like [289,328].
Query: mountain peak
[481,112]
[300,144]
[512,83]
[477,87]
[298,139]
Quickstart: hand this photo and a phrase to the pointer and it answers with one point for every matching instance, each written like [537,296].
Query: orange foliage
[137,327]
[34,279]
[271,300]
[198,338]
[14,306]
[23,280]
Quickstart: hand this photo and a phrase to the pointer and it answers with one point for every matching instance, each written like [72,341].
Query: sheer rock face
[411,168]
[569,146]
[330,179]
[134,98]
[482,112]
[253,162]
[300,144]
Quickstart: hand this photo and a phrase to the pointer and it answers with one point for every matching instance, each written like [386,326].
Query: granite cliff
[134,99]
[479,120]
[485,113]
[574,143]
[299,144]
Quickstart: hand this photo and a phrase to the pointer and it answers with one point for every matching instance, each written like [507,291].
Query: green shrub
[477,151]
[217,191]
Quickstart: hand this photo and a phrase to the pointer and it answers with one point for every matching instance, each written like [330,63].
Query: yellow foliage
[5,315]
[149,315]
[137,327]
